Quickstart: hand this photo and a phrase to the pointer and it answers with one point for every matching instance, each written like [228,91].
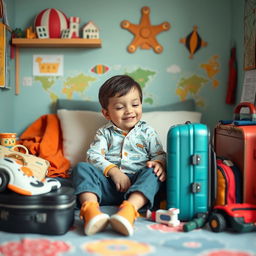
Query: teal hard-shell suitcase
[188,169]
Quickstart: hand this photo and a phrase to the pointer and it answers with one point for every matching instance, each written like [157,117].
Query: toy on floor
[168,217]
[198,222]
[236,217]
[19,179]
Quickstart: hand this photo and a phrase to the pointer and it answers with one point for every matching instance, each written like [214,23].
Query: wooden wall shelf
[57,43]
[48,43]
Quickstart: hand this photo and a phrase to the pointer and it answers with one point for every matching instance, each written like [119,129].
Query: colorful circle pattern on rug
[193,245]
[165,228]
[228,253]
[32,247]
[118,247]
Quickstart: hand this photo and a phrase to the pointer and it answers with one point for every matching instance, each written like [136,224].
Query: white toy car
[168,217]
[19,179]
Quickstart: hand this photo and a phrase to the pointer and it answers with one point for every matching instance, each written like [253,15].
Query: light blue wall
[220,24]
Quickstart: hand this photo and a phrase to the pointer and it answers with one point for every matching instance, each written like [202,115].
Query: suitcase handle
[241,105]
[21,217]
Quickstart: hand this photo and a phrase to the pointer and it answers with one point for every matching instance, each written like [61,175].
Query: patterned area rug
[149,239]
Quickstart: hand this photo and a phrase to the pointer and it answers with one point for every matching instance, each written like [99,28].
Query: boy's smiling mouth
[128,118]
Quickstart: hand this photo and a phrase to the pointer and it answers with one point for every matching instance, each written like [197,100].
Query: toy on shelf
[145,33]
[168,217]
[193,42]
[42,32]
[54,20]
[20,179]
[66,33]
[30,34]
[90,31]
[18,33]
[74,26]
[73,30]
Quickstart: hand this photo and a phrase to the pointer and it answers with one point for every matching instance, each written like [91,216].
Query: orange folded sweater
[43,138]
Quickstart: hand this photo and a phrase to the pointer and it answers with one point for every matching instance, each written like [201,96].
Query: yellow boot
[94,219]
[123,220]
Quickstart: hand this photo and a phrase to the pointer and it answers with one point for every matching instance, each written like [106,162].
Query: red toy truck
[237,217]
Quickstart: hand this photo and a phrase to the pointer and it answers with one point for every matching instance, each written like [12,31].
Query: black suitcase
[51,213]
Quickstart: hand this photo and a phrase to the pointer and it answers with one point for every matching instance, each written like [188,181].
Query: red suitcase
[238,143]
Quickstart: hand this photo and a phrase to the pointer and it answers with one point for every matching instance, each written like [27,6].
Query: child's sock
[94,219]
[124,219]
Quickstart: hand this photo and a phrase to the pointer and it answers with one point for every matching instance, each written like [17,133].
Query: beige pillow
[79,127]
[78,131]
[161,121]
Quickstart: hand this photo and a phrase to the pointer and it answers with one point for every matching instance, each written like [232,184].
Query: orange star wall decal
[145,33]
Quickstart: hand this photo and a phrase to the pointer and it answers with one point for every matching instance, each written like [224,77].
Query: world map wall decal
[145,33]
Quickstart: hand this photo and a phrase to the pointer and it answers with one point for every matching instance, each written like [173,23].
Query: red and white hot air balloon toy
[54,20]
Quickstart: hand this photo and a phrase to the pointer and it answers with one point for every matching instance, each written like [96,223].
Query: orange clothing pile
[43,138]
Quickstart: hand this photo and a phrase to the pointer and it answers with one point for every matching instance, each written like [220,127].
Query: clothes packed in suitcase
[189,175]
[235,140]
[229,183]
[29,205]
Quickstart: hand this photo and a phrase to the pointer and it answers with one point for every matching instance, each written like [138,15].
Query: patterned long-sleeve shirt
[129,152]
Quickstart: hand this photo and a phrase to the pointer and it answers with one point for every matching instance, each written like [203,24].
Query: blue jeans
[87,178]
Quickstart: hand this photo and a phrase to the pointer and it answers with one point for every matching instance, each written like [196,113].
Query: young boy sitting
[125,162]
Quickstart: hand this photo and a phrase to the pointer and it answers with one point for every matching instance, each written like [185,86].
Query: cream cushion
[79,127]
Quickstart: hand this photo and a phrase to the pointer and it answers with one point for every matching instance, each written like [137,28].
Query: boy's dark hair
[121,85]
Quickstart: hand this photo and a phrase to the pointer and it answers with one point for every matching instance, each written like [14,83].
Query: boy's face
[124,111]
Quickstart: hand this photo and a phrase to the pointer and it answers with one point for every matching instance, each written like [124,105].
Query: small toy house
[74,26]
[42,32]
[66,33]
[90,31]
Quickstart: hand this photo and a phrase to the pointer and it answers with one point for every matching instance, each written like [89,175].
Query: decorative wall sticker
[193,42]
[143,76]
[48,65]
[47,84]
[77,84]
[191,85]
[212,68]
[74,86]
[173,69]
[145,33]
[100,69]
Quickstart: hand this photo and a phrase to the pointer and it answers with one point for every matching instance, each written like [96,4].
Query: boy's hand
[158,170]
[121,180]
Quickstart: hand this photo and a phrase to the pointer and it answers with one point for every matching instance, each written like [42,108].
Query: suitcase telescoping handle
[248,105]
